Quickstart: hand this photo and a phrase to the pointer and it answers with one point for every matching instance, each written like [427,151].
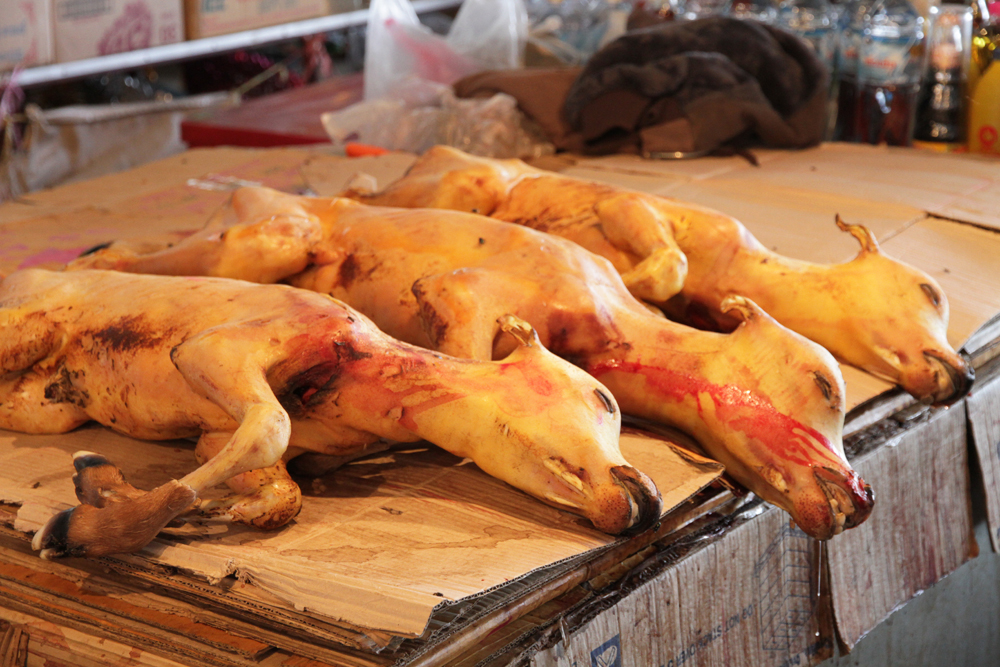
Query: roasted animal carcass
[874,312]
[764,401]
[262,373]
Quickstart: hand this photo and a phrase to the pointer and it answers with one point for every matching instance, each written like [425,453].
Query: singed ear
[869,244]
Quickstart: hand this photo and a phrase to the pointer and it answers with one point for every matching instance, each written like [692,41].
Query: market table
[723,580]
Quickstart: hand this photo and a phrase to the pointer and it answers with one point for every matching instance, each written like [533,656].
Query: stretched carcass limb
[875,312]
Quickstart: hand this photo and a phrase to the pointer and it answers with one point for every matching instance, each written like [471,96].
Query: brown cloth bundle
[687,86]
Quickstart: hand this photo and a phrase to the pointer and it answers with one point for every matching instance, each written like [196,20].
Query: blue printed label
[608,654]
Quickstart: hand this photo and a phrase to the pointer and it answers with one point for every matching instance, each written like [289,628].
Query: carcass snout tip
[645,502]
[954,377]
[850,500]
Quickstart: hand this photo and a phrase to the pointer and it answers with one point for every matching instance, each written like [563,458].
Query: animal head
[899,316]
[789,424]
[556,431]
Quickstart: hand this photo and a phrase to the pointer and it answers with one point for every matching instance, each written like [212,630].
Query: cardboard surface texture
[86,29]
[25,34]
[750,597]
[207,18]
[405,530]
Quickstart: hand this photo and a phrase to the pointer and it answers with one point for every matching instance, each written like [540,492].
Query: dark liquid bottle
[851,32]
[889,68]
[885,113]
[941,111]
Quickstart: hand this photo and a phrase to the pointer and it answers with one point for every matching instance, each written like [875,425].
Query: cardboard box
[25,34]
[207,18]
[752,595]
[90,28]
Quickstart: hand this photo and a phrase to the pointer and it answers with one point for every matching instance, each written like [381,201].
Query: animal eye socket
[608,403]
[932,294]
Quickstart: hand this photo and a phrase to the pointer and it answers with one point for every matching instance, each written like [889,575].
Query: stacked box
[89,28]
[25,33]
[207,18]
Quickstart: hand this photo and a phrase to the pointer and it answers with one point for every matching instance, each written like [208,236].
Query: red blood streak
[742,410]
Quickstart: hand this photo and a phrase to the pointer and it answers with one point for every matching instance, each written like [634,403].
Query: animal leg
[23,404]
[459,312]
[267,239]
[25,408]
[113,517]
[240,388]
[631,224]
[266,498]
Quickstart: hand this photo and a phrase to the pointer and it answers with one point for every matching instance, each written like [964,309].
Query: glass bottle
[981,51]
[852,26]
[765,11]
[890,63]
[815,21]
[941,110]
[984,114]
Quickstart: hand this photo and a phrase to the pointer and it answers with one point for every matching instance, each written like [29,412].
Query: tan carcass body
[263,373]
[874,312]
[764,401]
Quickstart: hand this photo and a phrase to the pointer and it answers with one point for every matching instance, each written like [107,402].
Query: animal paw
[114,517]
[268,507]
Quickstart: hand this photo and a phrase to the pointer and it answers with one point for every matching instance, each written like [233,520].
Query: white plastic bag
[486,34]
[422,114]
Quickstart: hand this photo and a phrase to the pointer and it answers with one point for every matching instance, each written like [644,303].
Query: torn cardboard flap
[378,544]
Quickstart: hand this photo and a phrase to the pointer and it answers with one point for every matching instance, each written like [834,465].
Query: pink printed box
[25,33]
[90,28]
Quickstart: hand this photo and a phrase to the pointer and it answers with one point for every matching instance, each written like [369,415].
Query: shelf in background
[160,55]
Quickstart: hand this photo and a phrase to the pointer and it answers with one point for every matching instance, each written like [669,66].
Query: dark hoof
[98,481]
[53,538]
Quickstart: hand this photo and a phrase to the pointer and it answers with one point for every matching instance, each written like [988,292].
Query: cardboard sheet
[378,543]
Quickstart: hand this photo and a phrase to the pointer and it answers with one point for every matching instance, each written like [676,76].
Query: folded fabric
[685,86]
[699,85]
[539,92]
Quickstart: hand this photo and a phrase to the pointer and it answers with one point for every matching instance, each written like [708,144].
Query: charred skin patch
[306,388]
[129,334]
[348,271]
[353,269]
[62,390]
[97,248]
[824,385]
[435,325]
[579,332]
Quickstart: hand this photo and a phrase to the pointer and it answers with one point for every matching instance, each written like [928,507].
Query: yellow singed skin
[874,312]
[263,373]
[441,279]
